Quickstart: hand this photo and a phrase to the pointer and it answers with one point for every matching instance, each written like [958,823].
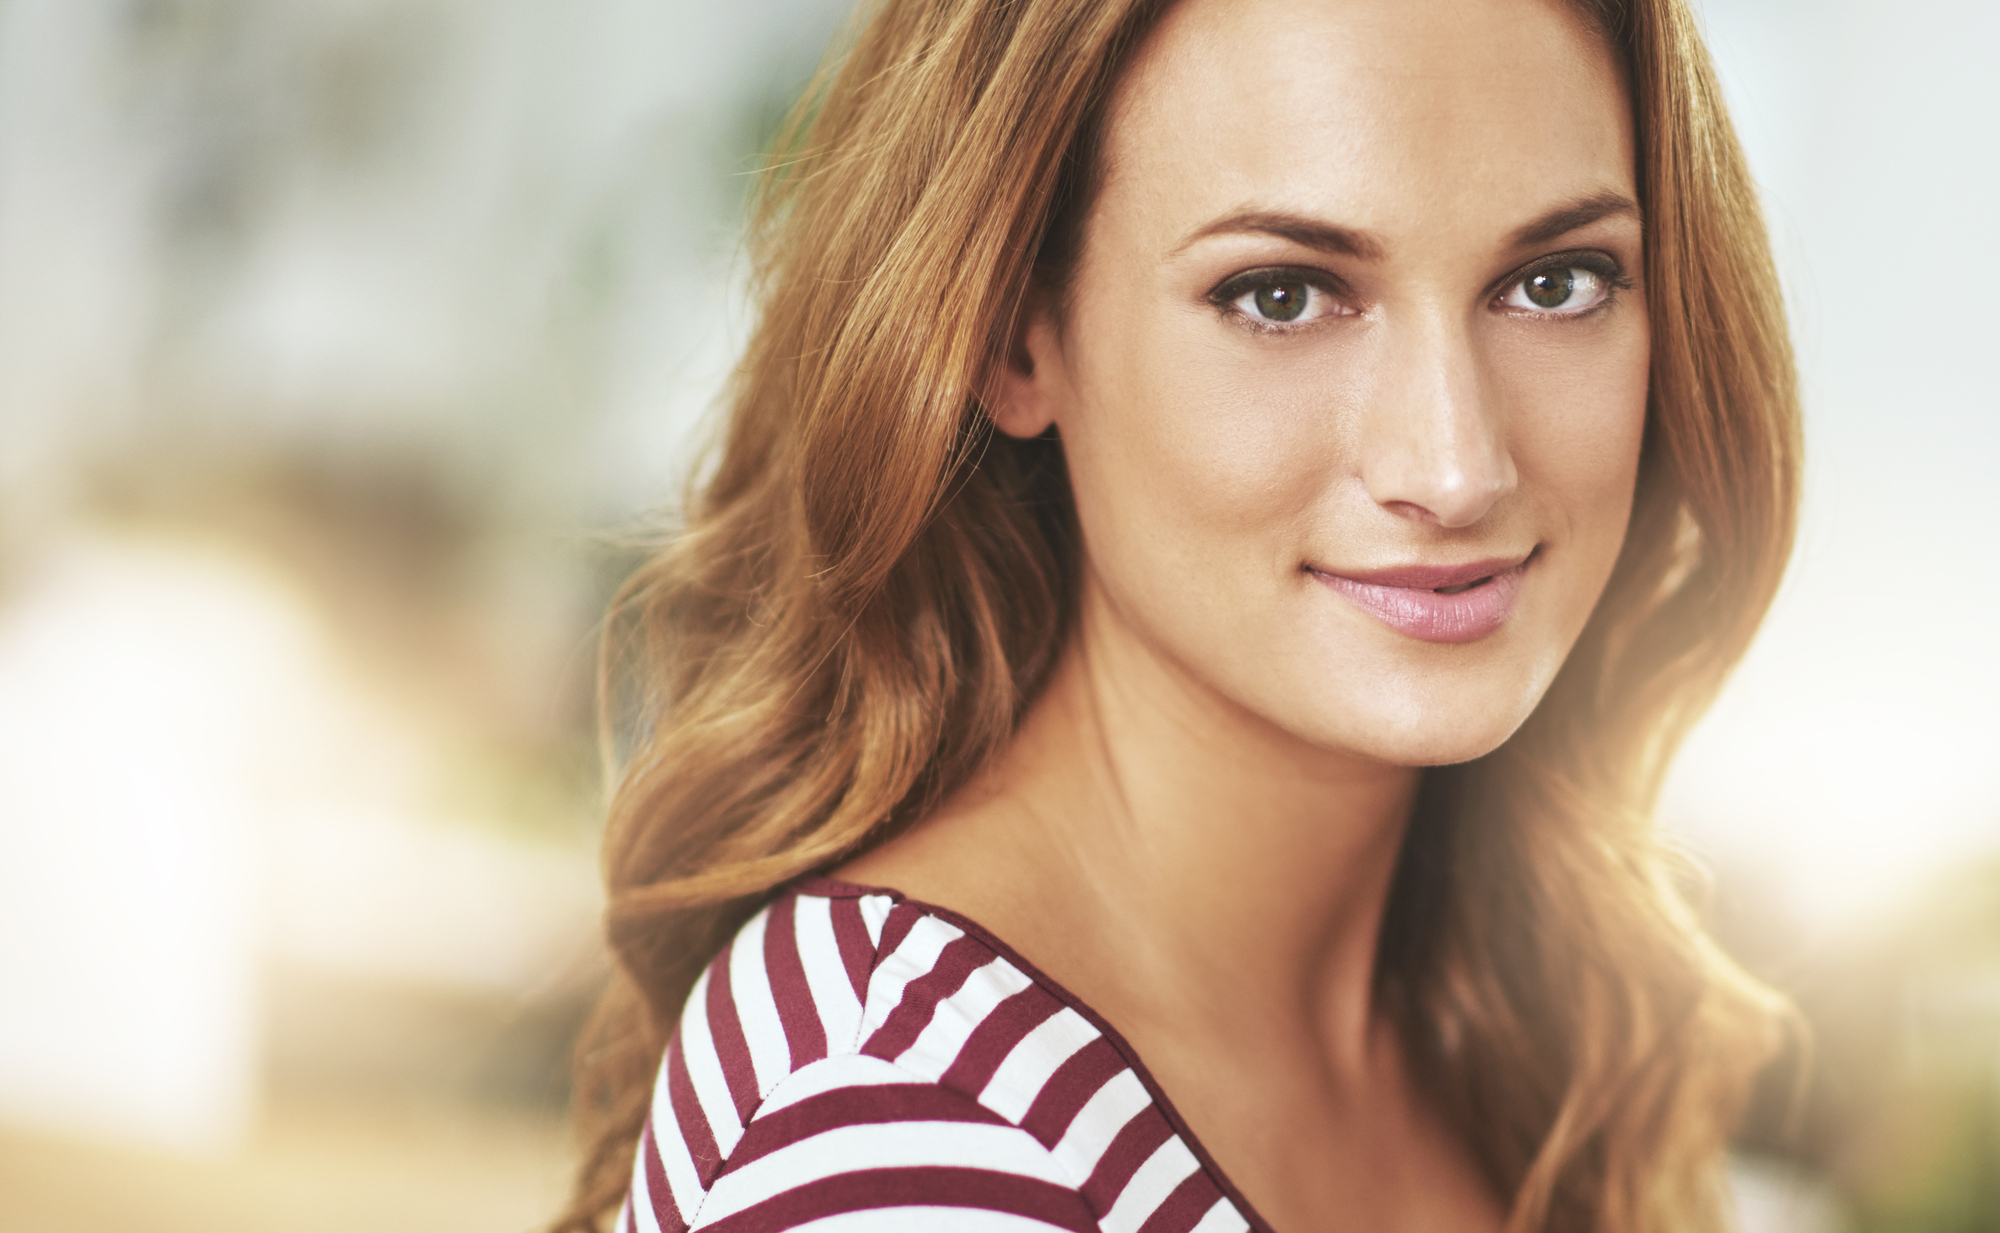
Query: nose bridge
[1436,446]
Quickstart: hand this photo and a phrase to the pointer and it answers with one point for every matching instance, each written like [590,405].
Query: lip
[1407,598]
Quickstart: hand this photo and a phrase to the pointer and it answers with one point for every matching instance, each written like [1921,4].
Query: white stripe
[638,1215]
[831,1074]
[1020,1078]
[925,1220]
[683,1182]
[711,1088]
[1222,1218]
[846,1149]
[1166,1168]
[893,973]
[826,974]
[939,1044]
[1099,1121]
[875,911]
[757,1007]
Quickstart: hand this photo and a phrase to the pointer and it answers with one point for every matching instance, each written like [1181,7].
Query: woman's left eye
[1563,291]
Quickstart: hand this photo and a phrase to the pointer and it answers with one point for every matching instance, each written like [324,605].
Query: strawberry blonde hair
[872,585]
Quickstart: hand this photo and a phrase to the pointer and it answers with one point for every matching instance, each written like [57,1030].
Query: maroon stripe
[960,958]
[664,1209]
[1243,1206]
[1067,1090]
[902,919]
[929,1186]
[726,1029]
[995,1038]
[1184,1208]
[868,1105]
[1137,1140]
[850,933]
[687,1113]
[787,972]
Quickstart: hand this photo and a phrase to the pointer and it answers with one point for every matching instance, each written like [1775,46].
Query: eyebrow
[1565,219]
[1352,242]
[1307,232]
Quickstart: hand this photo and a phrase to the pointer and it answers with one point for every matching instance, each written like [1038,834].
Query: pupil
[1281,301]
[1551,288]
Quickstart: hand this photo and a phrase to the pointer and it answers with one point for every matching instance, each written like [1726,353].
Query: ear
[1020,387]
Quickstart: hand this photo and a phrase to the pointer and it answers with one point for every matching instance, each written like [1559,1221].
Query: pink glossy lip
[1436,603]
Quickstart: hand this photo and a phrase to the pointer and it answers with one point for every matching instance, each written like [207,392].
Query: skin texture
[1195,828]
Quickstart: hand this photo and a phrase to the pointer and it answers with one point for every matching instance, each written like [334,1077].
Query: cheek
[1579,413]
[1180,451]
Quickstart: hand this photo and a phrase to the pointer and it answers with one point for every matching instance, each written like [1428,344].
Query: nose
[1434,446]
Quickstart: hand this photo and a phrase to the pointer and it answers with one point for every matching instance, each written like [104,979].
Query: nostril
[1410,510]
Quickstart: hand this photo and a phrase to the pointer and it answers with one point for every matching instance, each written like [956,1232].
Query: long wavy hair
[871,585]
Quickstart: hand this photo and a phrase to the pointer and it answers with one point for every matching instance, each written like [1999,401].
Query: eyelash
[1237,286]
[1596,261]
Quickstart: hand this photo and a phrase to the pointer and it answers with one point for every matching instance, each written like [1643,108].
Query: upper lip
[1430,577]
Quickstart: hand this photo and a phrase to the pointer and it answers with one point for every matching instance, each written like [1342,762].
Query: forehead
[1389,115]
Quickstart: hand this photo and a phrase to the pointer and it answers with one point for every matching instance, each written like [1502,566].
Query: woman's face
[1353,370]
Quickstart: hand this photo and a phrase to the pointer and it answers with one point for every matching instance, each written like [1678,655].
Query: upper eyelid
[1236,285]
[1614,269]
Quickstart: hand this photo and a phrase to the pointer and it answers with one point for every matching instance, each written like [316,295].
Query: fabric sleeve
[854,1142]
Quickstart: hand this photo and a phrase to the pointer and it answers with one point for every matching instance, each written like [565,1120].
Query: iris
[1551,288]
[1281,301]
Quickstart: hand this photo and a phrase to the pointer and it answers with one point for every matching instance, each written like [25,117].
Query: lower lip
[1432,617]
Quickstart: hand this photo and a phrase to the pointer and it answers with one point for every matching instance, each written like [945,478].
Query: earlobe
[1016,392]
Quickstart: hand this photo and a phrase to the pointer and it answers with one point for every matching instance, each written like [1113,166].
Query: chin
[1432,744]
[1438,726]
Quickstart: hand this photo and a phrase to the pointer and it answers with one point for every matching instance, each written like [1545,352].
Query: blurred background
[339,341]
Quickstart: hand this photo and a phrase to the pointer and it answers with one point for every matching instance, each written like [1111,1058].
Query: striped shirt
[855,1060]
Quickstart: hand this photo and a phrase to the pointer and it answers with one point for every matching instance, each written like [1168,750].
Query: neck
[1170,855]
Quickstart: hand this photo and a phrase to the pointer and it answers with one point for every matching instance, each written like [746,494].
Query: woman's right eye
[1277,297]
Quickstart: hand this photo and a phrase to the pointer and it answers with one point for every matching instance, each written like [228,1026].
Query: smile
[1436,603]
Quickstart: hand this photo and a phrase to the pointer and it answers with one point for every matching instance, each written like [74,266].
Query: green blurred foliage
[1894,1096]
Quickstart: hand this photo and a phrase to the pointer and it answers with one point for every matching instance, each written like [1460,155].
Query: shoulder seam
[875,954]
[1075,1185]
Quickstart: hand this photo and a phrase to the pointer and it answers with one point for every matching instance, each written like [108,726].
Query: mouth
[1436,603]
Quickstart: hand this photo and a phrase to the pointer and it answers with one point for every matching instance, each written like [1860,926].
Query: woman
[1239,499]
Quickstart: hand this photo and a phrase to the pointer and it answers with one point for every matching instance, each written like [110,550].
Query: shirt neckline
[835,888]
